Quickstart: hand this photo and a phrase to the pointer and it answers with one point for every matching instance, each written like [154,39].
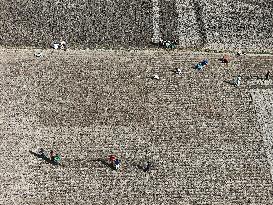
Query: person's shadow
[231,82]
[42,156]
[156,45]
[105,162]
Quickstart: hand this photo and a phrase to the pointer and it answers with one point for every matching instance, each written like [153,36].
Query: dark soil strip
[199,12]
[87,23]
[168,19]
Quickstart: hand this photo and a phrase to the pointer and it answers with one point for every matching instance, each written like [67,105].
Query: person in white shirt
[178,71]
[237,81]
[63,45]
[56,45]
[155,77]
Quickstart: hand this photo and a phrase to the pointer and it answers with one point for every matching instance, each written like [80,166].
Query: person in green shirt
[57,158]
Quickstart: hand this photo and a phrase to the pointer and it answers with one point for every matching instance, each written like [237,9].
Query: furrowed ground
[211,24]
[204,136]
[84,24]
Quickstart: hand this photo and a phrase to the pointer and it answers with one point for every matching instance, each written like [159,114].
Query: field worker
[237,81]
[117,164]
[63,45]
[205,62]
[57,158]
[239,53]
[112,158]
[201,64]
[41,152]
[56,45]
[147,167]
[38,54]
[178,71]
[225,59]
[168,44]
[155,77]
[161,42]
[173,45]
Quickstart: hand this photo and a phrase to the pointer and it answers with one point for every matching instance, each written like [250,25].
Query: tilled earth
[85,24]
[217,25]
[201,133]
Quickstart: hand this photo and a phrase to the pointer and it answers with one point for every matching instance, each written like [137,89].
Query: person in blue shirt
[201,64]
[117,164]
[205,62]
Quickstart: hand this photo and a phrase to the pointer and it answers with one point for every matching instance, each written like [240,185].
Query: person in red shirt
[112,158]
